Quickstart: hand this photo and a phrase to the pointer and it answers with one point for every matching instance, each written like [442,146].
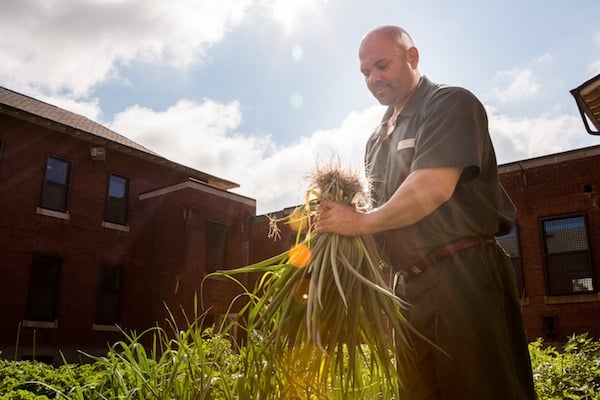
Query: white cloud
[69,46]
[515,85]
[293,14]
[280,179]
[204,136]
[521,138]
[195,134]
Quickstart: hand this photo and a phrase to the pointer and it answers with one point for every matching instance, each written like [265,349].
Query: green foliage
[203,364]
[325,309]
[180,364]
[35,380]
[571,373]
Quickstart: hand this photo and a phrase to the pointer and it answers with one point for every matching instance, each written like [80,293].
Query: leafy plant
[189,363]
[570,373]
[325,311]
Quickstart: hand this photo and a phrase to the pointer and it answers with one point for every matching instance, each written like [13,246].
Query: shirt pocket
[399,164]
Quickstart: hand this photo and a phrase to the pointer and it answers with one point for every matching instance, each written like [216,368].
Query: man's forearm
[422,192]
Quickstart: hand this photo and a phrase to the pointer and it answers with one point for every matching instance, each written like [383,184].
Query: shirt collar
[413,103]
[416,98]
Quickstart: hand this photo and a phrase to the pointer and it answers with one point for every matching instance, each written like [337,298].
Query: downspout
[523,174]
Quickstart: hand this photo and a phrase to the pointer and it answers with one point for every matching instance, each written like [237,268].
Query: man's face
[389,70]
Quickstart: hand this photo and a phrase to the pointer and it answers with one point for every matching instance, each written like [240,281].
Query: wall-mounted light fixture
[98,153]
[587,97]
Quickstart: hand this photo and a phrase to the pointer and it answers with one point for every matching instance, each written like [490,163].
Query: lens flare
[300,256]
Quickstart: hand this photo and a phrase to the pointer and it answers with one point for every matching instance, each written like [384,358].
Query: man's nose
[373,77]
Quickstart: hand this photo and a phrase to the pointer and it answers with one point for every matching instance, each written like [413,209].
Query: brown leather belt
[442,253]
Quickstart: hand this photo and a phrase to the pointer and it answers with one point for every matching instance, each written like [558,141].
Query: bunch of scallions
[323,319]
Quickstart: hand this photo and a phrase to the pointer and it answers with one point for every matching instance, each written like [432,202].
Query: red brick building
[97,230]
[556,244]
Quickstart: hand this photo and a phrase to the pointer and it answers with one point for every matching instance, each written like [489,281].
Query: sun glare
[289,13]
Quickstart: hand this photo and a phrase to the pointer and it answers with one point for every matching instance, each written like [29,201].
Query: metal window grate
[565,235]
[567,259]
[510,243]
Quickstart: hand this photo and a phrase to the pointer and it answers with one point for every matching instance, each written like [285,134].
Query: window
[216,246]
[43,288]
[510,244]
[108,306]
[56,184]
[116,200]
[566,255]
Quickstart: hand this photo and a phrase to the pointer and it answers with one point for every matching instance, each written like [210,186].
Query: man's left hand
[339,218]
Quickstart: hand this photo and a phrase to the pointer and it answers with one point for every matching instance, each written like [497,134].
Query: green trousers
[468,306]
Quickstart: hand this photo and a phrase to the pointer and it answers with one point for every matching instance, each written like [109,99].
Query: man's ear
[412,55]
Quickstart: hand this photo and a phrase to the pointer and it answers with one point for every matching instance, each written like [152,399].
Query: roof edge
[196,184]
[15,111]
[550,159]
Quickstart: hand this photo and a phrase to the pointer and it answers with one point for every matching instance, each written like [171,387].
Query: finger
[326,205]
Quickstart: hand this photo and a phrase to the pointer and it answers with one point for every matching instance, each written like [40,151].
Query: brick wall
[162,254]
[546,188]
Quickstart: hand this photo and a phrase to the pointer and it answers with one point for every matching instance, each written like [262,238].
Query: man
[437,204]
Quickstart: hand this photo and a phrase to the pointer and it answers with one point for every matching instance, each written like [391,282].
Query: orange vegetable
[300,256]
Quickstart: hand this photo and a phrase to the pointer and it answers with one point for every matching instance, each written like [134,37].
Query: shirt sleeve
[452,133]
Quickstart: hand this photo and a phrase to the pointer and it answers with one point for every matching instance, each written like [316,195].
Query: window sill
[40,324]
[572,298]
[105,328]
[117,227]
[53,213]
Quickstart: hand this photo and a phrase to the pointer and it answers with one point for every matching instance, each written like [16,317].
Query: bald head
[389,62]
[390,32]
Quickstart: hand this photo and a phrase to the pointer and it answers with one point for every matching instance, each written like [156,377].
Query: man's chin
[384,101]
[382,96]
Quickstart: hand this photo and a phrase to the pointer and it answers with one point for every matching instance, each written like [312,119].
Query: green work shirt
[440,126]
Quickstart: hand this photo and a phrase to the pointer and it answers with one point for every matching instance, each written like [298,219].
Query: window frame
[104,294]
[111,203]
[546,255]
[34,297]
[46,201]
[215,261]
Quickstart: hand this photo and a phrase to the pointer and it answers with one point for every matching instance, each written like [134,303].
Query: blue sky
[262,91]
